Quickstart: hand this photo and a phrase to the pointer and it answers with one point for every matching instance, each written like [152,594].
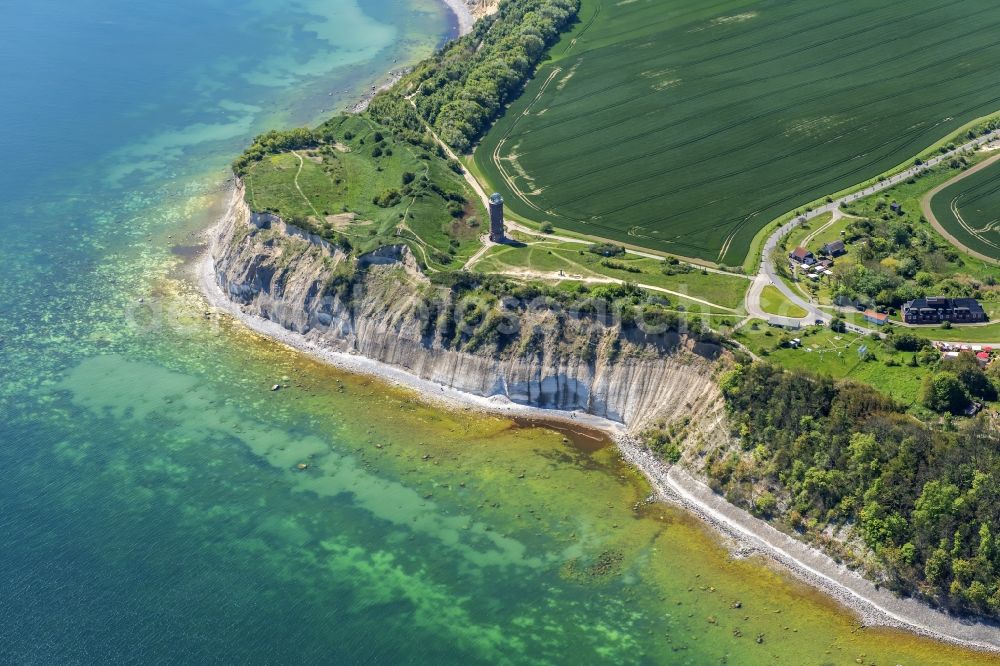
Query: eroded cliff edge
[538,352]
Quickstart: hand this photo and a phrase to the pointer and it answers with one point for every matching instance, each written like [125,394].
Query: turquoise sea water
[152,508]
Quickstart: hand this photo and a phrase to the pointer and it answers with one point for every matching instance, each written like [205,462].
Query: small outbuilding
[877,318]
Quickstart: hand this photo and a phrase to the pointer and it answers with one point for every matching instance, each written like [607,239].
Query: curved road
[767,274]
[516,226]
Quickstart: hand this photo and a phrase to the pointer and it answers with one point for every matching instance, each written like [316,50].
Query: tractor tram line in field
[943,210]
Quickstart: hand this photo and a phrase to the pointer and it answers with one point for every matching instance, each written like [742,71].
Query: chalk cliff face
[381,306]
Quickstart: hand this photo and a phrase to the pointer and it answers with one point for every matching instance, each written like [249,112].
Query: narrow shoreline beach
[464,20]
[462,14]
[875,606]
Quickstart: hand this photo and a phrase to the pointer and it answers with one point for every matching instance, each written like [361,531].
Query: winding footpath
[874,606]
[516,226]
[600,279]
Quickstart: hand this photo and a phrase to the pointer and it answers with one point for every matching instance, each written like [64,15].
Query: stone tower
[497,234]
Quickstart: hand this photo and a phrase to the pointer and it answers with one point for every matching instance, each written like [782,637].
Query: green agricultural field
[372,189]
[686,126]
[969,210]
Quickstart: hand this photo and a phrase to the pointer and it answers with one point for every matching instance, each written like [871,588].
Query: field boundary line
[508,179]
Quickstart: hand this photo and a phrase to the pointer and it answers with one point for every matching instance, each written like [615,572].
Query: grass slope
[687,127]
[574,260]
[331,191]
[774,302]
[826,352]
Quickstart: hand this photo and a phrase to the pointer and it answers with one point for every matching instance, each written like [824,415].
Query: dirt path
[474,259]
[873,605]
[595,279]
[925,208]
[837,215]
[302,163]
[516,226]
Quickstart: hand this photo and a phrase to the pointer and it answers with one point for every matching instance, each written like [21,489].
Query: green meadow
[371,188]
[836,355]
[774,302]
[689,284]
[687,126]
[969,210]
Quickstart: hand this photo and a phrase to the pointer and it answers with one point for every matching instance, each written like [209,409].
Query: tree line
[462,89]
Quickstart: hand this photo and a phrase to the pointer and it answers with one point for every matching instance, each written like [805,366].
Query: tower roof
[495,198]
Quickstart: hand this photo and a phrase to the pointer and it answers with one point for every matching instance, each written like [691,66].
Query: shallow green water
[151,501]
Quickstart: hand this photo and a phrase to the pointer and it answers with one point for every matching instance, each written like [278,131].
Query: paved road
[767,274]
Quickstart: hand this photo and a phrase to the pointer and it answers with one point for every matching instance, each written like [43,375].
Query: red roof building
[877,318]
[802,255]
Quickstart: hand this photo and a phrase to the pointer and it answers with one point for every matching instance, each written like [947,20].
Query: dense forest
[463,87]
[819,456]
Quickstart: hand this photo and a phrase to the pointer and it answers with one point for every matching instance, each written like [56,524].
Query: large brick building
[937,309]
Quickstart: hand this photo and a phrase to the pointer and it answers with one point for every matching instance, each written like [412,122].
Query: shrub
[387,199]
[607,249]
[944,392]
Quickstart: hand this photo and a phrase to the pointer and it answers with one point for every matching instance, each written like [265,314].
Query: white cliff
[384,308]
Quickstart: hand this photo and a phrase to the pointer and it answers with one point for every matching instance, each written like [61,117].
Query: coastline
[393,78]
[671,484]
[463,15]
[464,20]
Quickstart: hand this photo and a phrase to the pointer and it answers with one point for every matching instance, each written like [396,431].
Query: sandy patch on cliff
[342,221]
